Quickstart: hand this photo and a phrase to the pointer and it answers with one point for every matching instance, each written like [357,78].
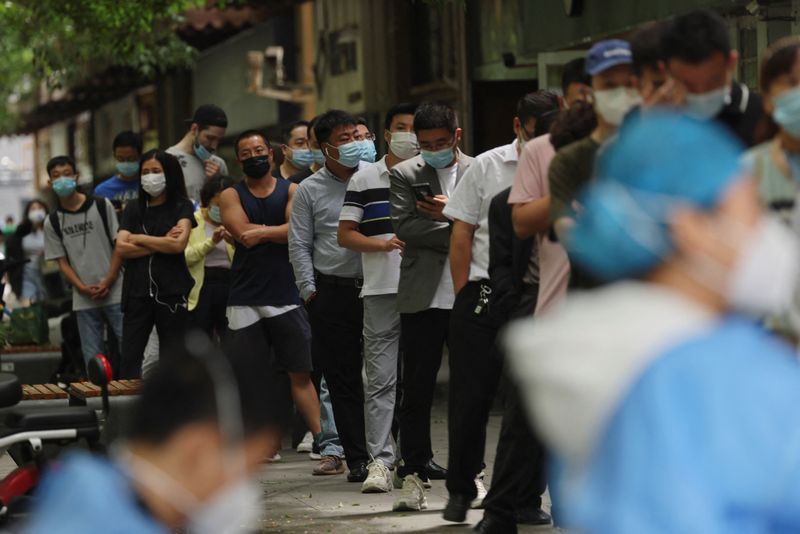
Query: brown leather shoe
[329,465]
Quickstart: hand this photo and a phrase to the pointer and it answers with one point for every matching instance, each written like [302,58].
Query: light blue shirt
[89,494]
[312,232]
[707,440]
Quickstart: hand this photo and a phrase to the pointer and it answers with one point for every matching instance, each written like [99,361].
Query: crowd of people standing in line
[331,263]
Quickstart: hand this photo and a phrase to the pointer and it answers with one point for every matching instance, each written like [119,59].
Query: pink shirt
[530,183]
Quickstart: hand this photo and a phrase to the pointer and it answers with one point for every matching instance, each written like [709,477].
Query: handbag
[28,326]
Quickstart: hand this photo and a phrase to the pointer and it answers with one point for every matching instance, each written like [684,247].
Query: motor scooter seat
[51,419]
[10,390]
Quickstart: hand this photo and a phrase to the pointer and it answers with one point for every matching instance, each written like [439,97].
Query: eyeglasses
[368,137]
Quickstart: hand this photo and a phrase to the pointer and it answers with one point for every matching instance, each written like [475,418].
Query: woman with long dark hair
[27,242]
[152,239]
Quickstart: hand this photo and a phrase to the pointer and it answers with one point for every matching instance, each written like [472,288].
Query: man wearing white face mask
[364,226]
[198,436]
[609,63]
[682,411]
[699,57]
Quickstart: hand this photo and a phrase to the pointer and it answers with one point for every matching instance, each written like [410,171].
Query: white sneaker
[379,479]
[276,458]
[314,456]
[477,502]
[307,445]
[413,497]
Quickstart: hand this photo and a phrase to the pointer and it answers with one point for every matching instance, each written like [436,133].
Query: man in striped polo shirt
[365,226]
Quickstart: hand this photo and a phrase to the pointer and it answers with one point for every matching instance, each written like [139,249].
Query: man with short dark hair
[475,364]
[419,191]
[648,61]
[196,150]
[201,428]
[698,55]
[80,235]
[366,140]
[264,307]
[576,84]
[297,157]
[365,227]
[123,186]
[329,280]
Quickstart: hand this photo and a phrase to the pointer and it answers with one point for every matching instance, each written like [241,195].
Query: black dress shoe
[358,473]
[456,509]
[533,516]
[492,525]
[435,471]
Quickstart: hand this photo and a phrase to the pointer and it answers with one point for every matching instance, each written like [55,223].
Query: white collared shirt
[490,173]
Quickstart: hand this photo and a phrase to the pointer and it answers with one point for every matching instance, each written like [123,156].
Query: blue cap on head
[606,54]
[660,162]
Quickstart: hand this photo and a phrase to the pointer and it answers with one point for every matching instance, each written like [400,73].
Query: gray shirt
[194,173]
[86,246]
[312,232]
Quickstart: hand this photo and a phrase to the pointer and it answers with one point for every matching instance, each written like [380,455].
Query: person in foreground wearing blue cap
[614,94]
[672,411]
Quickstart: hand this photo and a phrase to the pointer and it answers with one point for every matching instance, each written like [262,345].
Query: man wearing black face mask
[264,305]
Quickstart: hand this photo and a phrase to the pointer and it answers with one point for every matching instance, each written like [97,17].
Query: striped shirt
[367,203]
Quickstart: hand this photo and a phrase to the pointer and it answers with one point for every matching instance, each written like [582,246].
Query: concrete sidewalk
[297,502]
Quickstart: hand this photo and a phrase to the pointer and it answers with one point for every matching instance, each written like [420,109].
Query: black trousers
[141,314]
[475,367]
[519,477]
[209,314]
[336,315]
[423,335]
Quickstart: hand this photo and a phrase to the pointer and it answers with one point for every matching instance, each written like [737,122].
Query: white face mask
[614,104]
[764,279]
[232,509]
[404,144]
[37,215]
[705,106]
[154,184]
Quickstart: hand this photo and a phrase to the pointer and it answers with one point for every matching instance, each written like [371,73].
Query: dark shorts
[287,336]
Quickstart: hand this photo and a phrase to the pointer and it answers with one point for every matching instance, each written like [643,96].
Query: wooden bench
[42,392]
[116,388]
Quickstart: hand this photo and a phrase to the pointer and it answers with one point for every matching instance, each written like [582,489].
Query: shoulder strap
[55,223]
[102,209]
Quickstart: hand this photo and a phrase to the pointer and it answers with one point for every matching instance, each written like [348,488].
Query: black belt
[331,280]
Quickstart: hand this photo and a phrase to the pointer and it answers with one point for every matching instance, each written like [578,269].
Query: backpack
[100,202]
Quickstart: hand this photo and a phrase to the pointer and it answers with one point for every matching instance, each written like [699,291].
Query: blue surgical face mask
[787,111]
[214,214]
[200,151]
[319,157]
[706,106]
[368,152]
[349,154]
[128,168]
[302,158]
[64,186]
[438,159]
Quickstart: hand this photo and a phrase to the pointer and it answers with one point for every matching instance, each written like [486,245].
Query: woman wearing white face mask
[197,438]
[153,235]
[27,243]
[682,412]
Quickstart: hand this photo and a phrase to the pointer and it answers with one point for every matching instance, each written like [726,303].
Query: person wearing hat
[614,94]
[682,411]
[196,150]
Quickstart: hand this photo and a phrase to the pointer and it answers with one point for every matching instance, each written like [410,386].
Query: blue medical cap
[659,162]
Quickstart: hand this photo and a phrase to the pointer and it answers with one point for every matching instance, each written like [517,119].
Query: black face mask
[256,167]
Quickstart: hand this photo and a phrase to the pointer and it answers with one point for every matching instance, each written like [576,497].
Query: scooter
[31,428]
[34,427]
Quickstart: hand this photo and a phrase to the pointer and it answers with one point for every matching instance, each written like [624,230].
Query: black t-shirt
[743,113]
[162,276]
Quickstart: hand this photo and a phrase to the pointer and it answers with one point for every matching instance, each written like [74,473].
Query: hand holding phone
[422,191]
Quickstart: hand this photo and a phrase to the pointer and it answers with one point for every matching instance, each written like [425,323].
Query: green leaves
[60,43]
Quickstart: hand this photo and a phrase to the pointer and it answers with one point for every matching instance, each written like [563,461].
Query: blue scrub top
[86,494]
[707,440]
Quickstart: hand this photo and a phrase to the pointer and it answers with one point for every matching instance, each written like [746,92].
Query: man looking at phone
[419,191]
